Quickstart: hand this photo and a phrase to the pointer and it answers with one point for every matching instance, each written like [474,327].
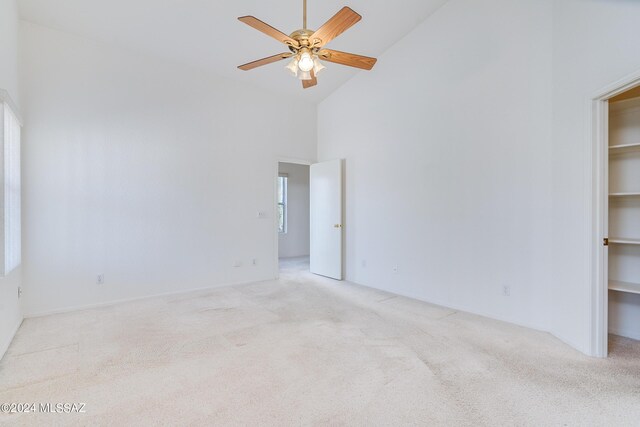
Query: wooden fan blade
[349,59]
[306,84]
[265,61]
[335,26]
[268,30]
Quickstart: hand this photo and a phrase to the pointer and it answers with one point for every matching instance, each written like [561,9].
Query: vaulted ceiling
[206,33]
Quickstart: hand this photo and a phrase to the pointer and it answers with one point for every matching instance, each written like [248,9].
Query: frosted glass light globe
[317,66]
[306,62]
[292,67]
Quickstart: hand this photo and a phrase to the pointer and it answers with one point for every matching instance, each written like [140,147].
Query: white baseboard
[195,290]
[457,308]
[5,345]
[626,333]
[534,327]
[133,299]
[576,346]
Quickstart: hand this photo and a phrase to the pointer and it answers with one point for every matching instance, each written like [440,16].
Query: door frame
[276,240]
[599,209]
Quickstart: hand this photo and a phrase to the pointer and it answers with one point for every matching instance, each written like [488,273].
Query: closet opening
[617,201]
[624,215]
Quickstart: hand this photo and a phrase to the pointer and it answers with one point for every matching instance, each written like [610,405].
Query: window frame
[283,181]
[10,162]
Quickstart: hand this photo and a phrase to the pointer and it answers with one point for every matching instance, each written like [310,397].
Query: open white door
[326,219]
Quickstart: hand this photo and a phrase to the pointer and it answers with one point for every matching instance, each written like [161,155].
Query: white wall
[10,312]
[481,120]
[9,48]
[448,160]
[595,45]
[624,314]
[295,242]
[146,171]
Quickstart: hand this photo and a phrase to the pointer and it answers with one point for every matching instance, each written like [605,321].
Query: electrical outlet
[395,268]
[254,262]
[262,215]
[506,291]
[237,264]
[100,279]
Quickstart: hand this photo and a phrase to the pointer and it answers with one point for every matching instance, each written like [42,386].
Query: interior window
[10,140]
[282,203]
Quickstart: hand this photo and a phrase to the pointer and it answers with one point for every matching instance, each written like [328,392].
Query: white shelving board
[630,288]
[623,241]
[624,148]
[624,195]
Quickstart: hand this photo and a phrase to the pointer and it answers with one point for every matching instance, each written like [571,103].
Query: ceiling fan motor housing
[303,37]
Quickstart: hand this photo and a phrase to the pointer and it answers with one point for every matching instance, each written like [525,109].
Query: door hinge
[606,241]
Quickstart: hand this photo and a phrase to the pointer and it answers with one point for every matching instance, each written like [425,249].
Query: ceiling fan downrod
[304,14]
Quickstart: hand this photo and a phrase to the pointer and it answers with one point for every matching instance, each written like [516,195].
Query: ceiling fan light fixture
[304,75]
[305,63]
[317,65]
[292,67]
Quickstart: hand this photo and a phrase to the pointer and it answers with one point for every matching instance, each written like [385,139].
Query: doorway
[293,201]
[617,224]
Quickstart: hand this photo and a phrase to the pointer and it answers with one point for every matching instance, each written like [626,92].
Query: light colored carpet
[309,351]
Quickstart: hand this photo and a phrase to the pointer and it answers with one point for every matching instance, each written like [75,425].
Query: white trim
[285,205]
[460,309]
[6,98]
[599,203]
[598,209]
[456,308]
[10,192]
[617,88]
[631,333]
[295,161]
[134,299]
[276,240]
[5,346]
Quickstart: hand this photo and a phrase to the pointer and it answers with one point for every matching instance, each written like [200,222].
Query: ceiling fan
[307,47]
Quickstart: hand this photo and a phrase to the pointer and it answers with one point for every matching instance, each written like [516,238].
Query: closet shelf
[624,195]
[631,288]
[625,148]
[621,241]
